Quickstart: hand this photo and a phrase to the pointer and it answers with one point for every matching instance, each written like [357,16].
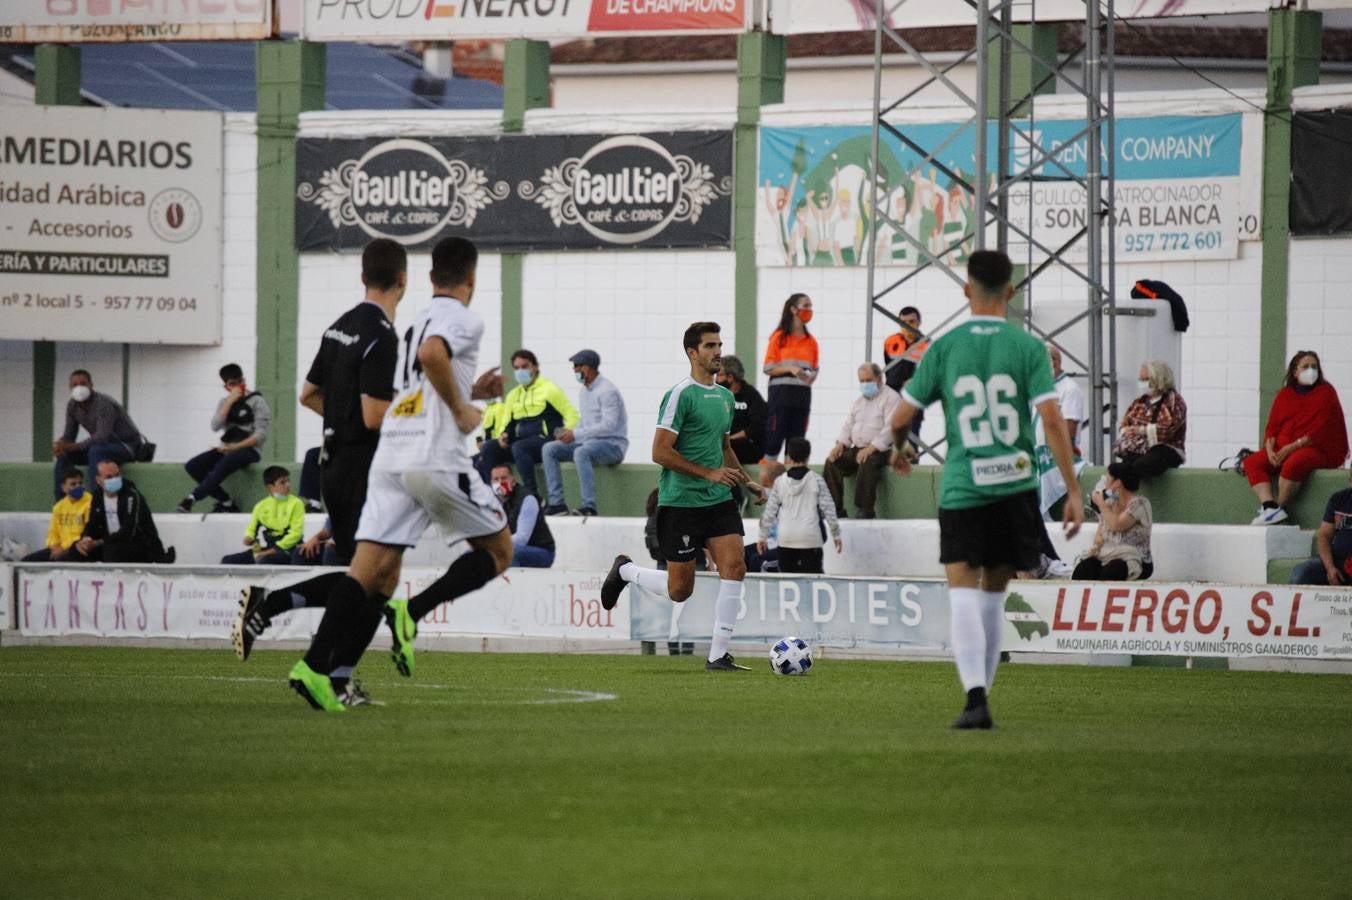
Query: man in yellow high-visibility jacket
[536,408]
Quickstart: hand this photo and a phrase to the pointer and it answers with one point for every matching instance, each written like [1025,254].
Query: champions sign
[518,192]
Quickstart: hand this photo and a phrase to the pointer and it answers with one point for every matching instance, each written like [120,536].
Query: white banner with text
[111,225]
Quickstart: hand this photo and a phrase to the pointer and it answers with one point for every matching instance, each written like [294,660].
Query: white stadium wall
[631,306]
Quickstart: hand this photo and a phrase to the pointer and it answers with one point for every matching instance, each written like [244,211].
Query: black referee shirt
[357,356]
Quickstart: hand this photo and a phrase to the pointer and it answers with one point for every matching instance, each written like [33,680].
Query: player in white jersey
[421,473]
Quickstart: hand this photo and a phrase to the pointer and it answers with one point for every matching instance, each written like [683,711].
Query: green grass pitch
[132,772]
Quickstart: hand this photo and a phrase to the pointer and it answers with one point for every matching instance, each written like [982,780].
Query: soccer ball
[791,656]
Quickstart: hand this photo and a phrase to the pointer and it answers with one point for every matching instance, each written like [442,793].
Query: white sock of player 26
[725,616]
[968,635]
[654,581]
[993,624]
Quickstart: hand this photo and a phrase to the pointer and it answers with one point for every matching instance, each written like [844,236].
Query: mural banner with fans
[517,192]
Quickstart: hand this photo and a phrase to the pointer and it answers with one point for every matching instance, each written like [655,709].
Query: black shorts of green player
[1005,533]
[682,531]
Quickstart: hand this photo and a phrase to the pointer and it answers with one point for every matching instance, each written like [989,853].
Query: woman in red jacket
[1305,431]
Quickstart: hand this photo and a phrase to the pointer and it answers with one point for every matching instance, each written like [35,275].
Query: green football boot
[315,688]
[402,632]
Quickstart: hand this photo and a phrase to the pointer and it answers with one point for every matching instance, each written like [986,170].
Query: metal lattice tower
[1022,160]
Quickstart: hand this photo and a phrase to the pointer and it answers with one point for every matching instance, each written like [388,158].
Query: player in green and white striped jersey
[988,375]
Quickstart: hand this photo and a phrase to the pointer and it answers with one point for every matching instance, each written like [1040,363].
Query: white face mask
[1143,386]
[1308,376]
[80,393]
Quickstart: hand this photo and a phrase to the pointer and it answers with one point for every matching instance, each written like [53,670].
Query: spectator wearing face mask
[536,409]
[532,541]
[276,527]
[864,445]
[120,527]
[791,358]
[1155,425]
[1305,432]
[242,417]
[69,517]
[112,433]
[600,438]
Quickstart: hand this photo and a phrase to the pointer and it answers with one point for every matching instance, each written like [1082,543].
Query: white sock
[993,622]
[725,616]
[654,581]
[968,636]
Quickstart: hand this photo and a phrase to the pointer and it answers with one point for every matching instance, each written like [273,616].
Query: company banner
[170,602]
[1177,196]
[1045,617]
[81,21]
[112,225]
[517,192]
[800,16]
[442,20]
[1321,173]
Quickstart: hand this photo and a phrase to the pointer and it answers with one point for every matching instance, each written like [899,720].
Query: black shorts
[1007,532]
[342,481]
[682,531]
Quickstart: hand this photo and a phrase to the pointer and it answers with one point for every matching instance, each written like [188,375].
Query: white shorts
[399,506]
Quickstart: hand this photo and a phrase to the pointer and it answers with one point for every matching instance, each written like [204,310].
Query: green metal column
[525,85]
[760,80]
[57,83]
[1294,41]
[290,80]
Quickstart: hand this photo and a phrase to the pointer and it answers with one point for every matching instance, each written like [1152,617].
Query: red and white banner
[1162,619]
[804,16]
[442,20]
[168,602]
[81,21]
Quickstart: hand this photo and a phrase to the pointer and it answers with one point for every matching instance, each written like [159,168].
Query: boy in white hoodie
[802,505]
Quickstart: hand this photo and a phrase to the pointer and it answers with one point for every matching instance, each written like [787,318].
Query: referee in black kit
[350,384]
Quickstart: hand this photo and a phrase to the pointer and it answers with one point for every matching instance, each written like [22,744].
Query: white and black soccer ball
[791,656]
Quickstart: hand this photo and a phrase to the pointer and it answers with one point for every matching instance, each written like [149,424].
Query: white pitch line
[562,695]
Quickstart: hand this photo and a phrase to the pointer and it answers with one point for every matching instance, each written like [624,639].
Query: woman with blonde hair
[1155,425]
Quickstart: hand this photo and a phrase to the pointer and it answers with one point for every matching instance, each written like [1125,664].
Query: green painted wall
[290,80]
[760,80]
[525,86]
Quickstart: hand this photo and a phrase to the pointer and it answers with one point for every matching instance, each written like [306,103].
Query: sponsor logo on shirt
[1006,469]
[410,407]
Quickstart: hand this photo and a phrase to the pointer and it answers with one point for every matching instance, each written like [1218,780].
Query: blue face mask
[581,379]
[77,492]
[277,496]
[522,376]
[112,485]
[869,389]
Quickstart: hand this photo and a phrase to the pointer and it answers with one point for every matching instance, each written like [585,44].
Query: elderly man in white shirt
[864,443]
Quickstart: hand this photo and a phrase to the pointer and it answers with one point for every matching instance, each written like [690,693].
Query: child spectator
[800,505]
[70,515]
[277,524]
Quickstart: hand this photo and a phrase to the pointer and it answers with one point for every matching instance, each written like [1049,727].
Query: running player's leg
[488,557]
[679,543]
[968,633]
[994,591]
[730,559]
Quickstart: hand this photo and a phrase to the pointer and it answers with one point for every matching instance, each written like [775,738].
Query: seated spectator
[120,527]
[864,445]
[70,515]
[536,409]
[1121,549]
[489,454]
[112,433]
[276,526]
[1155,425]
[1305,431]
[532,541]
[799,507]
[748,412]
[243,416]
[600,438]
[311,490]
[1333,566]
[318,549]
